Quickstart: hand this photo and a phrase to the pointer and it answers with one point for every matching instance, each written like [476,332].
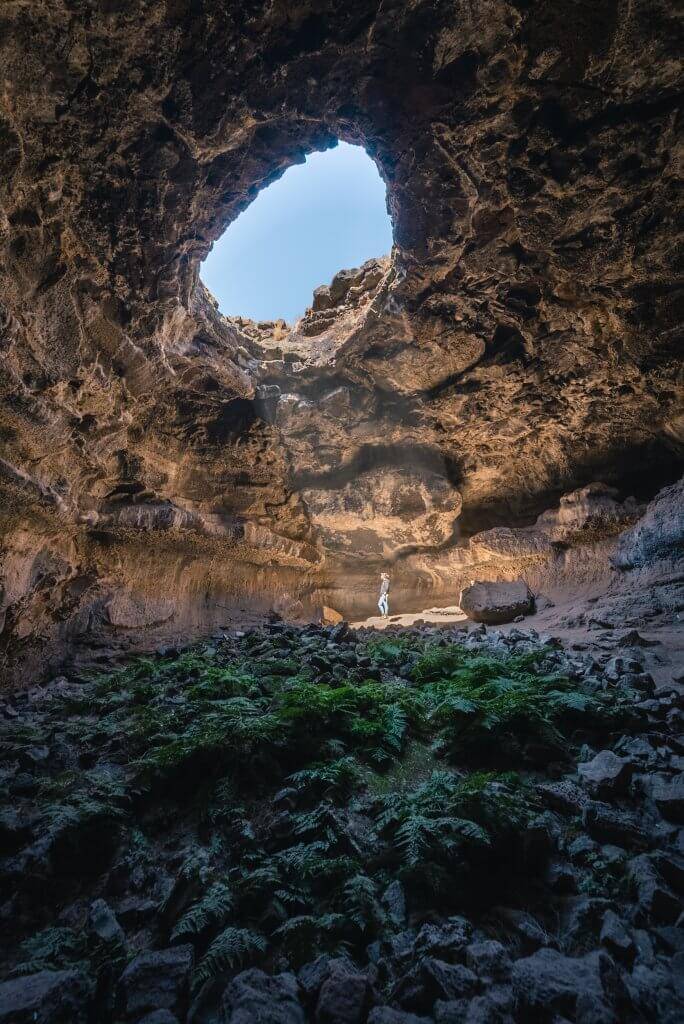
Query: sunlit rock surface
[163,467]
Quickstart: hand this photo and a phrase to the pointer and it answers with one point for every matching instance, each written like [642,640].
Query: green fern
[232,947]
[211,910]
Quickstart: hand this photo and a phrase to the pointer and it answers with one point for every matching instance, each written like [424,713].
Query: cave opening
[326,214]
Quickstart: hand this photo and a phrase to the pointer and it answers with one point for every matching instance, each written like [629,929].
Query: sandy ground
[663,650]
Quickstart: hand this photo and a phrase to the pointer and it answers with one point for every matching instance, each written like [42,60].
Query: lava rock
[447,981]
[444,941]
[104,924]
[344,995]
[669,799]
[488,958]
[609,826]
[387,1015]
[159,1017]
[548,982]
[656,901]
[497,602]
[606,774]
[48,997]
[254,997]
[616,938]
[156,980]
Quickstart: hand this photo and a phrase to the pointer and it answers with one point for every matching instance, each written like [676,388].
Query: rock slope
[321,825]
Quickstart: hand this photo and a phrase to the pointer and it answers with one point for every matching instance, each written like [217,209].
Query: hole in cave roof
[322,216]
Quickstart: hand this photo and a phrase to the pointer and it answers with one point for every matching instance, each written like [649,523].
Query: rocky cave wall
[163,467]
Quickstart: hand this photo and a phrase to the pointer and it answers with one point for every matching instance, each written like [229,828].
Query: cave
[231,790]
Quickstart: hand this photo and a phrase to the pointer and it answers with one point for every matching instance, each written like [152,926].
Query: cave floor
[661,644]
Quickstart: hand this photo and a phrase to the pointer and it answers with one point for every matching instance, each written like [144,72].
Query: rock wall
[162,466]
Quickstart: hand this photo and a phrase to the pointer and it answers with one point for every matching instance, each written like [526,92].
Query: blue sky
[321,216]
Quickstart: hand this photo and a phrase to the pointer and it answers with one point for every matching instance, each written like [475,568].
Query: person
[383,602]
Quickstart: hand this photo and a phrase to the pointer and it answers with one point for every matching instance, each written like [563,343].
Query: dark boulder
[549,983]
[254,997]
[344,995]
[606,774]
[156,980]
[669,798]
[49,997]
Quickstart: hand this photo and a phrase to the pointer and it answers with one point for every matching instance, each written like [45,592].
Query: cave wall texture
[162,465]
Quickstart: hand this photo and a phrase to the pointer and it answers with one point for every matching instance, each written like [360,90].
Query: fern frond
[212,909]
[232,947]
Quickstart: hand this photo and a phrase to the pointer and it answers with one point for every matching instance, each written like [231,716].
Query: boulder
[606,774]
[344,995]
[549,983]
[447,981]
[254,997]
[488,958]
[495,602]
[445,941]
[49,997]
[616,938]
[102,921]
[669,798]
[394,900]
[387,1015]
[656,900]
[156,980]
[609,826]
[159,1017]
[330,617]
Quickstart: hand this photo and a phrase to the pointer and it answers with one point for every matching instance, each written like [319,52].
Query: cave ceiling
[521,341]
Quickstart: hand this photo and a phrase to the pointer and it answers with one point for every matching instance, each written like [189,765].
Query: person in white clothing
[383,601]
